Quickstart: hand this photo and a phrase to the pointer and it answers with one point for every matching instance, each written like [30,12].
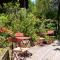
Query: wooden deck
[47,52]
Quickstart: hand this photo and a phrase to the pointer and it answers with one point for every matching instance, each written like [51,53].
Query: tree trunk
[58,17]
[23,3]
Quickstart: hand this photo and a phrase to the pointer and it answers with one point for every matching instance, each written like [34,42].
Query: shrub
[26,22]
[3,19]
[51,26]
[3,41]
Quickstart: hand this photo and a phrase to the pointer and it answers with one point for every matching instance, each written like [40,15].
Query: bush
[3,41]
[26,22]
[3,19]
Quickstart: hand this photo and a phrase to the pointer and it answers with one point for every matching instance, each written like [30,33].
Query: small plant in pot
[49,39]
[50,32]
[41,41]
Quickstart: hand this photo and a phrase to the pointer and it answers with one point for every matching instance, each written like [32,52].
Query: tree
[42,6]
[23,3]
[58,17]
[32,6]
[6,1]
[47,8]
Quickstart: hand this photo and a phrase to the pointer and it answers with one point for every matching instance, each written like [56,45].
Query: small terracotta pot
[35,43]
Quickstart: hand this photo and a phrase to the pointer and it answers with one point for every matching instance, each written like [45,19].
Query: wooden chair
[18,39]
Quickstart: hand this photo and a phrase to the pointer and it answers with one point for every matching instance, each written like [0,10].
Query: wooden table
[22,40]
[18,40]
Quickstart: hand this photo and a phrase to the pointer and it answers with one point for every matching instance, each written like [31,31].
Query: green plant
[3,19]
[50,38]
[3,42]
[24,22]
[51,26]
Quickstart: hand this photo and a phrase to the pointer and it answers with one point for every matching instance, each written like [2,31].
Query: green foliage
[3,41]
[11,5]
[22,21]
[51,26]
[3,19]
[32,6]
[29,21]
[50,38]
[4,44]
[42,7]
[26,22]
[46,9]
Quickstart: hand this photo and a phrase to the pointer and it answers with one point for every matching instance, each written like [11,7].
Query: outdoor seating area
[19,39]
[29,30]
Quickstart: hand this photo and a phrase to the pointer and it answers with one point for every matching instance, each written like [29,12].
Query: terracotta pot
[19,34]
[35,43]
[50,32]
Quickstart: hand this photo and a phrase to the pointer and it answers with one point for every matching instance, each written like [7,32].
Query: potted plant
[50,32]
[49,39]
